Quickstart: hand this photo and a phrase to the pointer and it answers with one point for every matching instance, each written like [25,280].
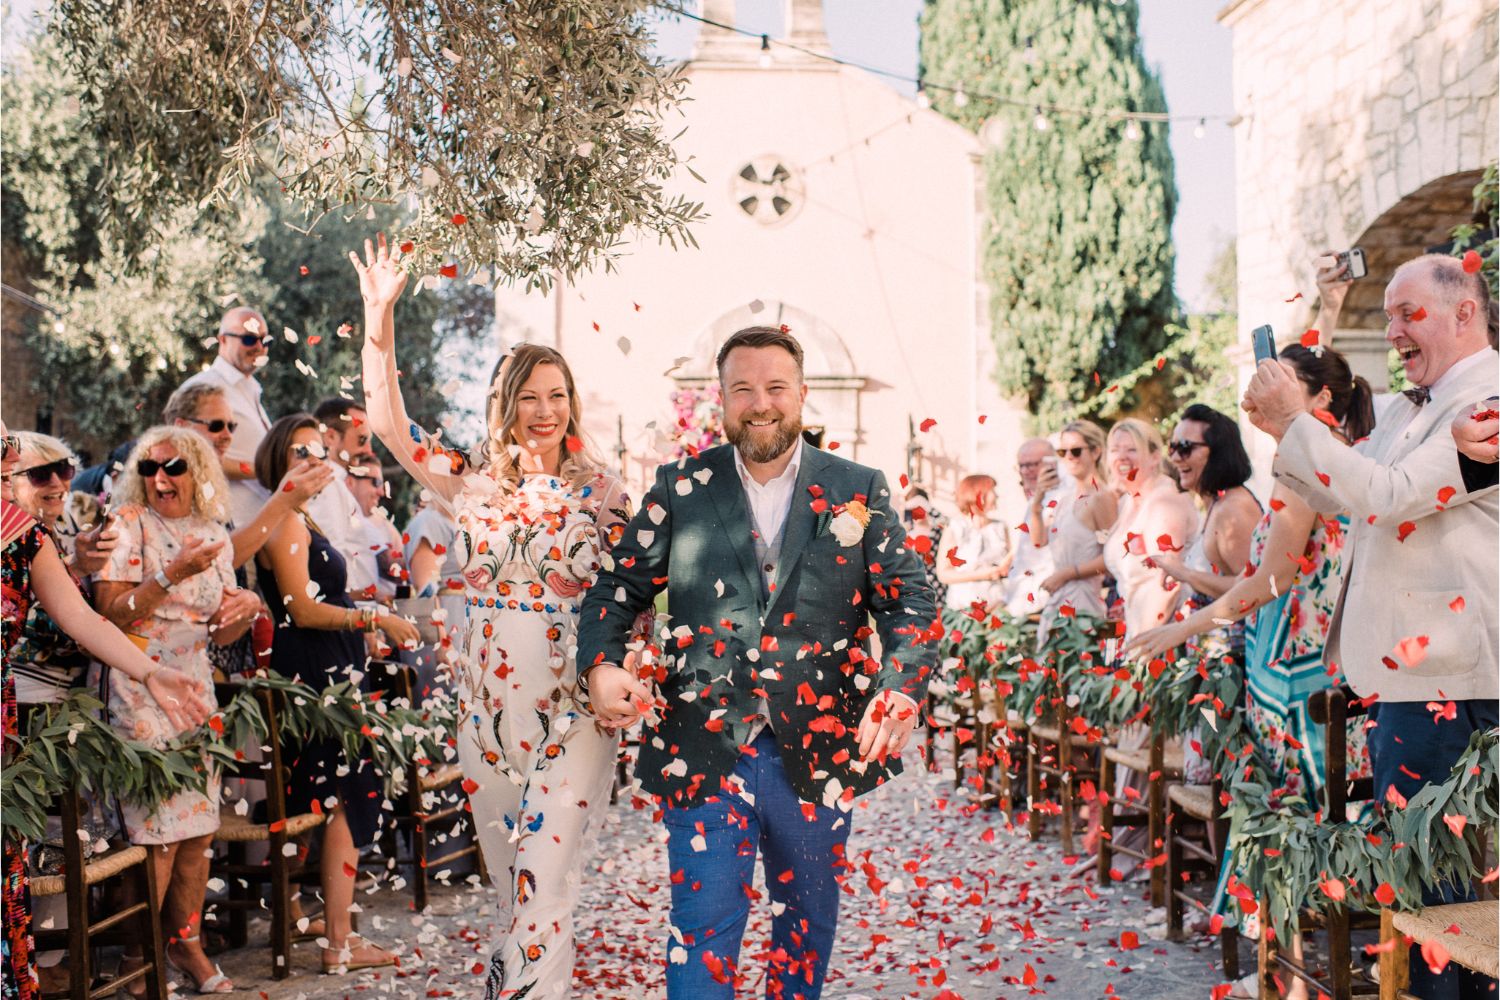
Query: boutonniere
[850,521]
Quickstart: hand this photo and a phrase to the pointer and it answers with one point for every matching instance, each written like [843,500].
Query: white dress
[538,770]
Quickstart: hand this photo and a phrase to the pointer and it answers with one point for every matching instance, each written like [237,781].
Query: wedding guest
[204,408]
[244,346]
[318,642]
[924,526]
[1423,539]
[31,571]
[345,430]
[1031,563]
[379,543]
[775,718]
[1286,603]
[171,581]
[47,663]
[973,552]
[1073,524]
[431,555]
[534,527]
[1475,435]
[1213,467]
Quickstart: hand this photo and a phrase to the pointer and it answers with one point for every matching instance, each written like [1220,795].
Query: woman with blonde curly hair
[534,526]
[170,582]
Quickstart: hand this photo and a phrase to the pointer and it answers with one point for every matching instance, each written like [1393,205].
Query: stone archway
[834,383]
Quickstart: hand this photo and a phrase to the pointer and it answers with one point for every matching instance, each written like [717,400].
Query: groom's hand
[618,697]
[887,725]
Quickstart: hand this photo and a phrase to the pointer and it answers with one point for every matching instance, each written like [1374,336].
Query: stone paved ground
[948,903]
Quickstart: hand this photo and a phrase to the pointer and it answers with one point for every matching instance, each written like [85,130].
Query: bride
[535,525]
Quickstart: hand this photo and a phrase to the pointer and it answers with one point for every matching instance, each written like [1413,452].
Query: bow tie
[1421,394]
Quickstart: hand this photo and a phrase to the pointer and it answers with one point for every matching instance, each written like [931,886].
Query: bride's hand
[381,276]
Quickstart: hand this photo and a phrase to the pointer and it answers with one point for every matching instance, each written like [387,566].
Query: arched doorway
[834,384]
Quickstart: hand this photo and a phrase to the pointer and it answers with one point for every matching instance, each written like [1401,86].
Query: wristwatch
[162,580]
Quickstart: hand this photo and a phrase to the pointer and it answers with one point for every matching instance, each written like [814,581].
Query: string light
[1199,130]
[1133,131]
[960,95]
[1030,54]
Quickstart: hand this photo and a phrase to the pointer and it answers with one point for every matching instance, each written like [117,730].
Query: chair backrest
[1332,709]
[271,769]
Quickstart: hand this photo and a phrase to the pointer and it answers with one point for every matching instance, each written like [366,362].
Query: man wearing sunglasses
[244,340]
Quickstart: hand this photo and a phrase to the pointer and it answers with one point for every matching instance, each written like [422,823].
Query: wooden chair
[1058,760]
[1201,806]
[89,922]
[278,832]
[1475,946]
[1332,710]
[1006,747]
[434,802]
[1160,765]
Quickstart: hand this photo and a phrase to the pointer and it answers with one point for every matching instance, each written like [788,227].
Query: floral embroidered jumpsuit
[538,771]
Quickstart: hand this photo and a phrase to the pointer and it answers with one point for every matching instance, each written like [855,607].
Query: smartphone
[1264,343]
[1354,260]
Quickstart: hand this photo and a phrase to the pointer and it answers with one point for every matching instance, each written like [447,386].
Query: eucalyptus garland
[68,743]
[1288,854]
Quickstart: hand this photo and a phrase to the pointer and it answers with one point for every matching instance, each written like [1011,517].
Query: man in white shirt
[243,350]
[1030,563]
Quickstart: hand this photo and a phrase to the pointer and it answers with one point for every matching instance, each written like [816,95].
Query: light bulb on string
[1133,131]
[923,100]
[1198,129]
[1040,122]
[1029,56]
[765,52]
[960,99]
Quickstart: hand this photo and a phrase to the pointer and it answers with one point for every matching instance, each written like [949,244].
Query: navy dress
[318,658]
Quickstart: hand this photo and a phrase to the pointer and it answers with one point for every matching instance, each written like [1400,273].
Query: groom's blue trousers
[712,849]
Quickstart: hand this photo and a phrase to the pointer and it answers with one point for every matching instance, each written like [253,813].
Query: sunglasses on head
[248,339]
[214,426]
[1183,449]
[149,467]
[305,451]
[1071,452]
[41,475]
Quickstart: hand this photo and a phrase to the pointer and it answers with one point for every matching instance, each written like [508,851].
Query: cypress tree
[1078,251]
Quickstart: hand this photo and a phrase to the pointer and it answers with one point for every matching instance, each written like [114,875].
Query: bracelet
[162,580]
[370,622]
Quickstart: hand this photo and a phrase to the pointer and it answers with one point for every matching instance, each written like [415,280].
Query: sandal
[216,983]
[356,954]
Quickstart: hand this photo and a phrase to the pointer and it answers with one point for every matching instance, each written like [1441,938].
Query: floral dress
[23,540]
[1284,665]
[176,635]
[538,770]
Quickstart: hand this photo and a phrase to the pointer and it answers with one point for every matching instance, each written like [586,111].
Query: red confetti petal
[1310,338]
[459,218]
[1472,261]
[1418,316]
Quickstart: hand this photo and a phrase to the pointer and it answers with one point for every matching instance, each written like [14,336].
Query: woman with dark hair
[1213,466]
[535,520]
[973,554]
[1291,592]
[318,642]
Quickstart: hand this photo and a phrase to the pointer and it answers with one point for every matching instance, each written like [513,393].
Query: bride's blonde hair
[578,466]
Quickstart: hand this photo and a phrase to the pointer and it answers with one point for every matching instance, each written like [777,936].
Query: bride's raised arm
[381,281]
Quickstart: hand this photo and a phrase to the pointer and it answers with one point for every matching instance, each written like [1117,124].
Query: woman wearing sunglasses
[31,571]
[171,582]
[1074,528]
[1287,602]
[41,483]
[319,642]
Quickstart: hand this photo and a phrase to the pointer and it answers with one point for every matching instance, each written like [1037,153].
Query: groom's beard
[763,444]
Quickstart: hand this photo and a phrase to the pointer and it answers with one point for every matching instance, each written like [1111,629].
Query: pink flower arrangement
[699,419]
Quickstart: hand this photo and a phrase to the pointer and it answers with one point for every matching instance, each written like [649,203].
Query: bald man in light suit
[1416,621]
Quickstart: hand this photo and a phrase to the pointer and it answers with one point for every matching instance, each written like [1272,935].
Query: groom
[777,557]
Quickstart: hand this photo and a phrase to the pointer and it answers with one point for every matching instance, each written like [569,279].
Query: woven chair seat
[238,829]
[1196,800]
[98,869]
[1476,945]
[1048,732]
[442,777]
[1140,760]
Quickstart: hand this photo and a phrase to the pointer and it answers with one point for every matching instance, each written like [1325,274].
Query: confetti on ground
[945,901]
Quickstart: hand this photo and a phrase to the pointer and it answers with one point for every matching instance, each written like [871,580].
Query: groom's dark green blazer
[804,647]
